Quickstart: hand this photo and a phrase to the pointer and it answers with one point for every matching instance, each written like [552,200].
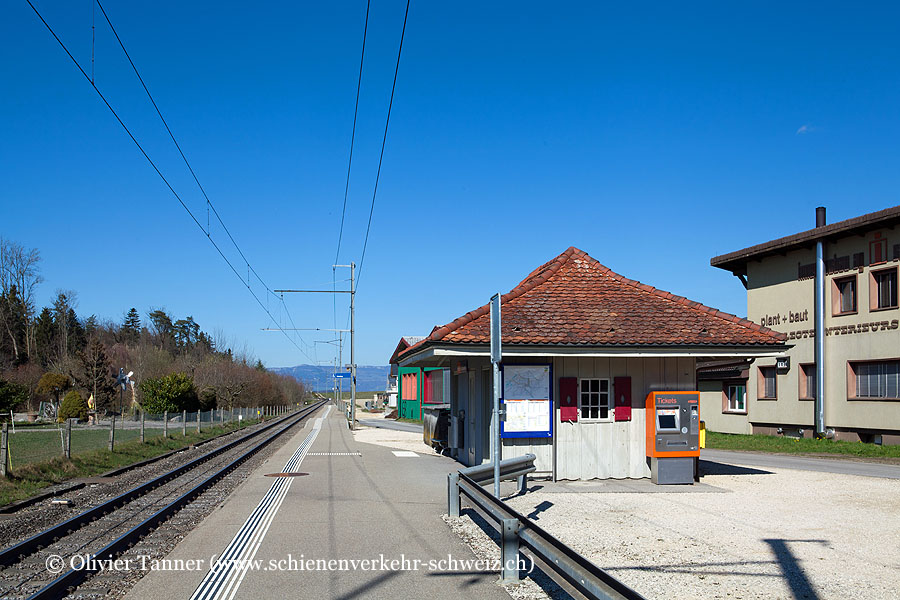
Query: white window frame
[610,400]
[734,409]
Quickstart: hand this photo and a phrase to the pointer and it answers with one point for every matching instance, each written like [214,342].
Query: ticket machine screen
[667,419]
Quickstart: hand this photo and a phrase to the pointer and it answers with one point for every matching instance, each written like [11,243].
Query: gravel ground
[776,534]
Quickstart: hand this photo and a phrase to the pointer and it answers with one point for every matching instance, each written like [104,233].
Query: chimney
[820,216]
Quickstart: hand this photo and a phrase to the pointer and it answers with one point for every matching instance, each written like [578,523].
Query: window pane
[595,385]
[604,385]
[585,412]
[887,288]
[604,412]
[593,411]
[585,385]
[847,289]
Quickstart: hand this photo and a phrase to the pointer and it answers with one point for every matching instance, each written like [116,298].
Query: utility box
[673,436]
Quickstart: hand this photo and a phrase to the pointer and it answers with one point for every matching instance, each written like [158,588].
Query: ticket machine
[673,436]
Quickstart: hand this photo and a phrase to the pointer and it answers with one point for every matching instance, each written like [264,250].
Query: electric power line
[159,173]
[337,253]
[362,57]
[383,142]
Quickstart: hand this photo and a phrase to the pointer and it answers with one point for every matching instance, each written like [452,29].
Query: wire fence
[29,443]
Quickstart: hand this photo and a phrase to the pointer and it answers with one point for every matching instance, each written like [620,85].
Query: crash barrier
[570,570]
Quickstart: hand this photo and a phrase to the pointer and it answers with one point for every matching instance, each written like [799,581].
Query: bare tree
[19,272]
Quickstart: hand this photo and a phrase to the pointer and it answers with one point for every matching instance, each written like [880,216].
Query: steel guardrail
[563,564]
[59,587]
[11,555]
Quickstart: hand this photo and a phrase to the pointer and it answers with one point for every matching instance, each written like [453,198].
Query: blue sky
[652,136]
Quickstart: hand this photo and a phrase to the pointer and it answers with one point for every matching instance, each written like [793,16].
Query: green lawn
[28,479]
[784,445]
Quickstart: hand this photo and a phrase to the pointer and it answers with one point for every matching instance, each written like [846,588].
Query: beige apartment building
[861,325]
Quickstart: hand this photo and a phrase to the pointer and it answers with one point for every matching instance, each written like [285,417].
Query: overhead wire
[383,142]
[337,253]
[159,172]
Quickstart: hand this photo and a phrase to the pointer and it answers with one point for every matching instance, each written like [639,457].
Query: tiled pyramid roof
[574,300]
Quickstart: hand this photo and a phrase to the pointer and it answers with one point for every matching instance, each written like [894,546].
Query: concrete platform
[359,501]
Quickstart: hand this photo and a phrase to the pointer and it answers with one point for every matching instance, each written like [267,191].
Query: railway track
[41,567]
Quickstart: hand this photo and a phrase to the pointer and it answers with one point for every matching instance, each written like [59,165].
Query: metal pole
[184,422]
[198,421]
[352,347]
[165,423]
[142,425]
[67,449]
[496,357]
[112,433]
[4,451]
[820,327]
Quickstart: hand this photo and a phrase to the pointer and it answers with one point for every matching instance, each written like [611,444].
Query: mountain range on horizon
[369,378]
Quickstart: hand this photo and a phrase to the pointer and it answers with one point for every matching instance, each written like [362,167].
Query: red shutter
[568,399]
[622,390]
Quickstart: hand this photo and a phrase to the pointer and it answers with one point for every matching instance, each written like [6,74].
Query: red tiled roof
[574,300]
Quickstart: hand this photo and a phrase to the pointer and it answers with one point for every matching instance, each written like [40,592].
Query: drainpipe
[820,327]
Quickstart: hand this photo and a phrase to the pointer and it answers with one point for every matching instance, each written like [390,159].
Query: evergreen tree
[131,328]
[75,334]
[73,406]
[13,343]
[45,337]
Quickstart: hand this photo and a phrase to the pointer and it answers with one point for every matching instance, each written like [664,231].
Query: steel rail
[13,554]
[60,587]
[560,562]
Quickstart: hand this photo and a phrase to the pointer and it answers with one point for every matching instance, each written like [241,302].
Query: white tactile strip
[225,577]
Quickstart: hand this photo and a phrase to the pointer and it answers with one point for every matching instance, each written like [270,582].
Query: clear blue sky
[652,136]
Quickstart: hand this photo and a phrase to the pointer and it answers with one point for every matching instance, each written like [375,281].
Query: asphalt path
[840,466]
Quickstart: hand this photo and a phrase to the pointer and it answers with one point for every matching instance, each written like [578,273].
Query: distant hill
[368,378]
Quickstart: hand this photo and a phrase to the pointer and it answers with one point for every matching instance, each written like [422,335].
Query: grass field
[28,479]
[783,445]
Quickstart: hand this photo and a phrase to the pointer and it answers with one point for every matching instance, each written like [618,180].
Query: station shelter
[418,387]
[582,348]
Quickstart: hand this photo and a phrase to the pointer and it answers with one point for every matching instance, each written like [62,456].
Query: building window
[876,380]
[766,385]
[807,382]
[843,295]
[737,398]
[594,399]
[883,289]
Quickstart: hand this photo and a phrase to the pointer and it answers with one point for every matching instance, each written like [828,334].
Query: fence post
[165,423]
[184,422]
[453,494]
[198,421]
[509,554]
[4,450]
[112,433]
[142,424]
[67,448]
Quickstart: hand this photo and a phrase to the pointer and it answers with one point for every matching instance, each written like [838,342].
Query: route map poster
[526,398]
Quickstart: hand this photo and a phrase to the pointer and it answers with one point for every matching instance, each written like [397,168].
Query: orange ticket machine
[673,436]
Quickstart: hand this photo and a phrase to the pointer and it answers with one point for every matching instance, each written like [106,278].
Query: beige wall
[775,291]
[712,413]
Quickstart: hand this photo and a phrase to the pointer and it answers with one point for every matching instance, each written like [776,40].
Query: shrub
[173,393]
[73,407]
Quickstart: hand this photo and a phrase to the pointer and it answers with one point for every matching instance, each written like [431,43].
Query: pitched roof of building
[736,261]
[573,300]
[405,342]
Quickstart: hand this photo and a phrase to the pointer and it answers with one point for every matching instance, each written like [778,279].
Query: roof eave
[736,261]
[433,351]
